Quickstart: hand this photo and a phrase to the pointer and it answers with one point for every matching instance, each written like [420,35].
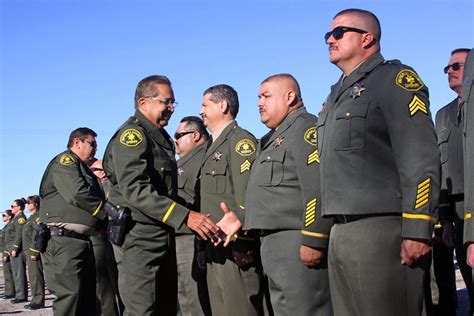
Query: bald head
[286,82]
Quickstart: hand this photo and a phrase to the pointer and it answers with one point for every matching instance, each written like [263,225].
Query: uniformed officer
[283,202]
[17,254]
[7,216]
[379,174]
[191,139]
[33,258]
[140,165]
[449,128]
[234,275]
[72,207]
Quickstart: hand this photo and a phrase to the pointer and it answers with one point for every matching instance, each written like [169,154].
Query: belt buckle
[60,231]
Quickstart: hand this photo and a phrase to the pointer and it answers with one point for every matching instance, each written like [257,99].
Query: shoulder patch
[409,80]
[416,104]
[37,220]
[311,136]
[245,147]
[21,220]
[131,137]
[66,160]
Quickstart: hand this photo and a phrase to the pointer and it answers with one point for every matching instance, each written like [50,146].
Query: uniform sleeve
[315,229]
[415,150]
[18,242]
[242,155]
[130,169]
[76,190]
[35,230]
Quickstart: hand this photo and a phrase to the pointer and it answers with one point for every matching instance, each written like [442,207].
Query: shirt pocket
[443,138]
[271,171]
[216,176]
[350,126]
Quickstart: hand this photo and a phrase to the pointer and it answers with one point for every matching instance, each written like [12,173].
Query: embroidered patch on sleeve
[310,214]
[409,80]
[313,157]
[131,137]
[245,166]
[21,220]
[416,104]
[311,136]
[66,160]
[245,147]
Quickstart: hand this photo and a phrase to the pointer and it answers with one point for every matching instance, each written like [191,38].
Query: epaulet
[392,62]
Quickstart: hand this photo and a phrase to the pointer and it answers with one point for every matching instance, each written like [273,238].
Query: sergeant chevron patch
[245,166]
[422,194]
[310,214]
[313,157]
[416,105]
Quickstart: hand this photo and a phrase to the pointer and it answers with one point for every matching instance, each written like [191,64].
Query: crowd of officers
[328,215]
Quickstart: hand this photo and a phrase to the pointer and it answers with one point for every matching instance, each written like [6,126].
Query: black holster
[41,238]
[120,219]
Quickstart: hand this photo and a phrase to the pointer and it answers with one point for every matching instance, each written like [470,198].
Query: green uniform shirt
[377,146]
[29,233]
[284,189]
[141,167]
[70,192]
[225,172]
[18,222]
[9,237]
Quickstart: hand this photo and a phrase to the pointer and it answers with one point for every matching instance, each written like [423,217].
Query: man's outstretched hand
[229,224]
[201,224]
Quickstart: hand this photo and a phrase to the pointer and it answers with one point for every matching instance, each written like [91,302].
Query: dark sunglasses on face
[4,215]
[339,31]
[179,135]
[455,66]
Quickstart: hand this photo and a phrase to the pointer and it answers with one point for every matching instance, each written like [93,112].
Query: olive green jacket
[141,167]
[9,237]
[29,232]
[284,189]
[70,192]
[225,172]
[377,146]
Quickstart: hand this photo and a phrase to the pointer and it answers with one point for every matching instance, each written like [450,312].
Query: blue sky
[66,64]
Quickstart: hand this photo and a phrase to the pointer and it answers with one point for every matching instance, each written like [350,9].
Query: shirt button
[348,114]
[268,158]
[213,172]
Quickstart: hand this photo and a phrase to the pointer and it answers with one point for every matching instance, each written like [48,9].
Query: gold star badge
[357,89]
[217,156]
[180,171]
[278,141]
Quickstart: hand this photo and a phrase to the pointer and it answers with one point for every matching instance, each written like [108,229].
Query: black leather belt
[262,232]
[63,232]
[457,197]
[346,218]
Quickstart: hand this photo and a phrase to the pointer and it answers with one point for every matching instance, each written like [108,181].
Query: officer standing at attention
[379,174]
[72,206]
[449,126]
[140,165]
[286,172]
[7,217]
[191,139]
[33,258]
[17,253]
[234,275]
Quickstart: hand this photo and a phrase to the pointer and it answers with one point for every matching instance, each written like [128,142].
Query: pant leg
[36,278]
[365,274]
[294,288]
[19,275]
[70,275]
[117,254]
[8,276]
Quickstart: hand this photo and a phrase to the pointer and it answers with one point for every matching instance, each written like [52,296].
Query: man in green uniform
[286,172]
[72,207]
[234,275]
[7,216]
[33,258]
[190,139]
[379,174]
[449,126]
[17,254]
[140,165]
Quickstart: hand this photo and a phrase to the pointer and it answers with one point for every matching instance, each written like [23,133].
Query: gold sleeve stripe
[168,212]
[310,214]
[467,216]
[418,216]
[422,193]
[245,166]
[307,233]
[34,250]
[313,157]
[97,209]
[416,105]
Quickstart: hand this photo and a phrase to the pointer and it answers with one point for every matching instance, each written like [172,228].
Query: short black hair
[81,133]
[145,87]
[194,123]
[225,92]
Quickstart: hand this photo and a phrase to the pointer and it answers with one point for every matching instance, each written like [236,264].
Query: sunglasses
[13,206]
[179,135]
[3,215]
[339,31]
[455,66]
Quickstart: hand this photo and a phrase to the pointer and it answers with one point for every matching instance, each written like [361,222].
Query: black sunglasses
[456,67]
[179,135]
[339,31]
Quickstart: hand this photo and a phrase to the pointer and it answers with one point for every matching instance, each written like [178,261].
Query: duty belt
[63,232]
[348,218]
[457,197]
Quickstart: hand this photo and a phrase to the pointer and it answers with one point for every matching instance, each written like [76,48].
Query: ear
[290,97]
[368,41]
[196,136]
[142,105]
[76,143]
[224,106]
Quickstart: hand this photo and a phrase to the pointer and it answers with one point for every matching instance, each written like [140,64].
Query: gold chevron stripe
[416,105]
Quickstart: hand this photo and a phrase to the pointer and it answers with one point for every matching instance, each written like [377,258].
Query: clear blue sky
[66,64]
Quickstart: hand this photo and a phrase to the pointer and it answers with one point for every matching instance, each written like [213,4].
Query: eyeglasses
[167,102]
[92,143]
[179,135]
[456,66]
[339,31]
